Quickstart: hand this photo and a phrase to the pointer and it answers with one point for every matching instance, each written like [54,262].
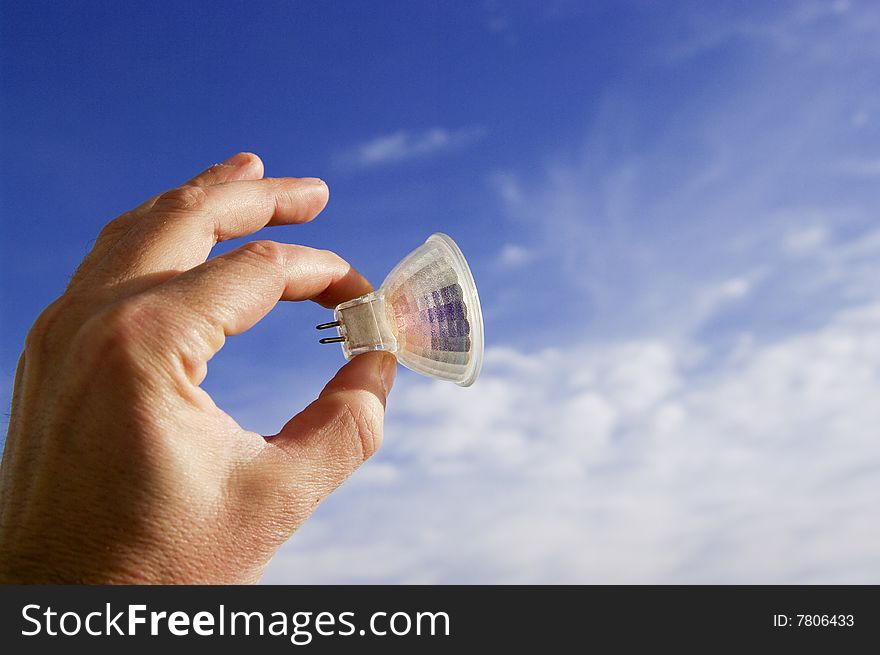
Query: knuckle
[265,198]
[41,331]
[337,261]
[116,335]
[210,173]
[114,227]
[363,425]
[265,250]
[330,254]
[186,198]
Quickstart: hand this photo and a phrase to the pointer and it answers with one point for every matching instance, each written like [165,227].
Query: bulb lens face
[434,310]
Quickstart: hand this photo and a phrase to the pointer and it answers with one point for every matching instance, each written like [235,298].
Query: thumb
[333,436]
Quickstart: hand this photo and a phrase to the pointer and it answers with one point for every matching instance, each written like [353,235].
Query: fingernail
[389,371]
[240,159]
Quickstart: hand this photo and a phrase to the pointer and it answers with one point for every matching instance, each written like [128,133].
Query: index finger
[185,223]
[229,294]
[242,166]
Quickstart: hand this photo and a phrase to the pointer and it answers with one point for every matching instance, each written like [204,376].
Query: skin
[118,466]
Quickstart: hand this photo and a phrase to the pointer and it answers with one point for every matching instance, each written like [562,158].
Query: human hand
[118,466]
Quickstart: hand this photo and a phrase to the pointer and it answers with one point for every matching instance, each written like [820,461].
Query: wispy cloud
[513,255]
[861,167]
[711,415]
[653,458]
[802,27]
[805,240]
[404,145]
[621,462]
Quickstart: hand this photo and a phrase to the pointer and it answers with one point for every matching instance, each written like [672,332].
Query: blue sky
[671,212]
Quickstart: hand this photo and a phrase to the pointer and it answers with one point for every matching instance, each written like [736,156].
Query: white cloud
[508,188]
[860,118]
[617,463]
[499,22]
[804,240]
[513,255]
[404,145]
[735,288]
[821,30]
[712,417]
[861,167]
